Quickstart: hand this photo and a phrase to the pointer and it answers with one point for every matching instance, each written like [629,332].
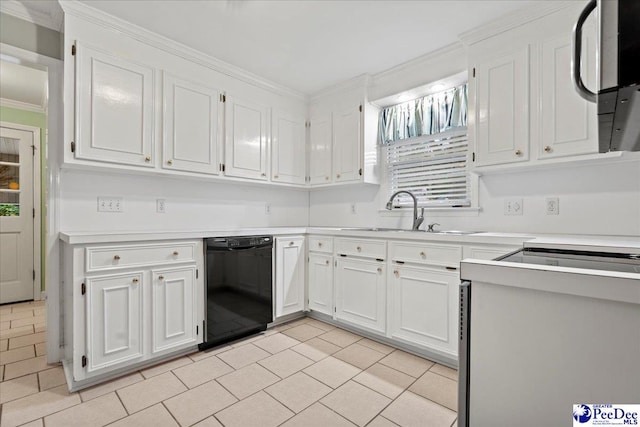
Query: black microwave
[618,93]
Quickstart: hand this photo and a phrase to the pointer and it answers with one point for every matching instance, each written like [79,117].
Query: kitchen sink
[403,230]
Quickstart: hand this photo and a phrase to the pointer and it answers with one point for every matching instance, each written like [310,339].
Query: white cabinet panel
[361,293]
[423,307]
[192,125]
[502,103]
[114,320]
[114,109]
[246,139]
[290,275]
[321,283]
[568,122]
[320,141]
[347,142]
[174,313]
[288,148]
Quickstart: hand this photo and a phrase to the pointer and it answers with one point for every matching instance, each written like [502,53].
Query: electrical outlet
[267,208]
[513,206]
[353,208]
[552,205]
[160,205]
[110,204]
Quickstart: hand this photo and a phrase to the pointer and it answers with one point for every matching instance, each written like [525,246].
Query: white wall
[594,199]
[190,204]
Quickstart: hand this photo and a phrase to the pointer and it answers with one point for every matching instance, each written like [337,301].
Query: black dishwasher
[239,291]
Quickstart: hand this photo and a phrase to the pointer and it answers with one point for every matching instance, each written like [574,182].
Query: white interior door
[16,215]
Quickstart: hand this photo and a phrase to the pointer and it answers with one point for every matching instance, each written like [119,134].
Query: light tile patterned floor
[305,373]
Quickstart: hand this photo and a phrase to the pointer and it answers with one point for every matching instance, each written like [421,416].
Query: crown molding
[27,12]
[455,47]
[360,82]
[513,20]
[105,20]
[11,103]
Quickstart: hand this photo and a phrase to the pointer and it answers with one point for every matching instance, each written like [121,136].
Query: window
[426,148]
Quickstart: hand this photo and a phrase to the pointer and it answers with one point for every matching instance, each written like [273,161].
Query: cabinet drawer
[363,248]
[111,257]
[320,244]
[425,253]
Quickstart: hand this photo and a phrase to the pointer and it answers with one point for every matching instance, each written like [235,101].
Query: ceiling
[25,86]
[313,44]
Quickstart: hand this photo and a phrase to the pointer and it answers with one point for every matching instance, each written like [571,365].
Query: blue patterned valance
[425,116]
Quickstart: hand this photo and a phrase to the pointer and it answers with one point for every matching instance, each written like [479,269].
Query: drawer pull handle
[116,257]
[379,259]
[327,262]
[175,253]
[451,268]
[135,281]
[422,254]
[358,248]
[399,262]
[379,270]
[160,277]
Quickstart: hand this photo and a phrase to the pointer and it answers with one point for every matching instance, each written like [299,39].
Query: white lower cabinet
[361,293]
[423,307]
[137,307]
[290,275]
[174,308]
[321,283]
[114,319]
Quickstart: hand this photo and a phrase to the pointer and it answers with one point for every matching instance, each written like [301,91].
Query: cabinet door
[114,109]
[320,137]
[174,308]
[347,141]
[246,139]
[321,283]
[423,307]
[192,124]
[569,123]
[361,293]
[114,319]
[288,148]
[502,109]
[290,275]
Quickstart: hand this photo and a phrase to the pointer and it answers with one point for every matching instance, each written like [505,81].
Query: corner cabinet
[347,136]
[129,305]
[288,148]
[114,109]
[290,275]
[320,149]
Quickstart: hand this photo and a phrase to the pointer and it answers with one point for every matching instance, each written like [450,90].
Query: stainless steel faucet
[416,220]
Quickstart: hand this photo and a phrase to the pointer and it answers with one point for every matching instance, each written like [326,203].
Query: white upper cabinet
[320,143]
[568,122]
[246,124]
[114,109]
[192,126]
[347,142]
[502,108]
[288,148]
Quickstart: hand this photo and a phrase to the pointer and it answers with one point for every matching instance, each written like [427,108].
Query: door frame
[37,201]
[56,123]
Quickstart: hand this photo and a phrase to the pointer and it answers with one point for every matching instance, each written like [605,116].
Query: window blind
[432,167]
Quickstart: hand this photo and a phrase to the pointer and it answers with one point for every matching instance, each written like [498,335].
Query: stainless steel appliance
[239,288]
[618,94]
[547,327]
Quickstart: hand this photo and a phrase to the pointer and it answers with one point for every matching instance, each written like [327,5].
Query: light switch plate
[513,206]
[110,204]
[161,205]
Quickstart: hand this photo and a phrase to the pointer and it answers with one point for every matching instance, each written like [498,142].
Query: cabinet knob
[358,248]
[547,149]
[275,176]
[422,254]
[263,174]
[319,244]
[327,262]
[379,270]
[147,159]
[175,253]
[396,272]
[116,257]
[326,178]
[518,153]
[169,162]
[160,277]
[135,281]
[290,243]
[337,175]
